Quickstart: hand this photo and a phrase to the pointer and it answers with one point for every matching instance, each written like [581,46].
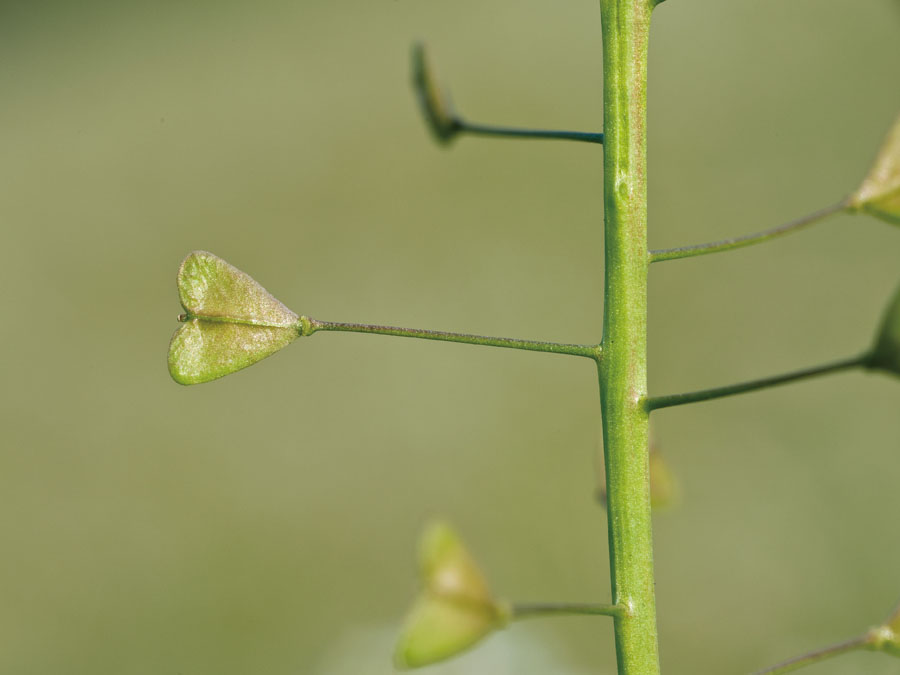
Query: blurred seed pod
[879,193]
[664,488]
[454,609]
[435,105]
[891,643]
[230,321]
[886,637]
[886,353]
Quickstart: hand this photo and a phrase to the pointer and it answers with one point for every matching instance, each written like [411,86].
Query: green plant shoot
[231,322]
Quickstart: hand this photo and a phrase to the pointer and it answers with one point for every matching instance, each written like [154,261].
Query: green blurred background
[266,523]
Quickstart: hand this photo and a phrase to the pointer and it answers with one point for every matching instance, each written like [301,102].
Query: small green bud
[892,634]
[455,608]
[230,321]
[886,353]
[886,637]
[879,193]
[435,106]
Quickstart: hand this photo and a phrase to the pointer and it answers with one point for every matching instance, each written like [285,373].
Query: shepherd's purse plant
[230,322]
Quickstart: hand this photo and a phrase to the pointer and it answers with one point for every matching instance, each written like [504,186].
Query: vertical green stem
[623,369]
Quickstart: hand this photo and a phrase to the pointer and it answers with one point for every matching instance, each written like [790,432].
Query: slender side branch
[514,132]
[748,239]
[810,658]
[310,326]
[537,610]
[446,125]
[657,402]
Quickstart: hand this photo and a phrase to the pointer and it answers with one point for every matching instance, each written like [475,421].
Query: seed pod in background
[879,193]
[886,353]
[230,321]
[455,608]
[435,105]
[664,488]
[891,642]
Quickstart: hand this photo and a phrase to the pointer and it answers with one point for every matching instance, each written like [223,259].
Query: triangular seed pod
[434,104]
[879,193]
[230,321]
[447,567]
[455,608]
[439,628]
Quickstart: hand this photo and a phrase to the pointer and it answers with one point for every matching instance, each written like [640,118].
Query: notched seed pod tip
[229,323]
[435,105]
[879,193]
[454,609]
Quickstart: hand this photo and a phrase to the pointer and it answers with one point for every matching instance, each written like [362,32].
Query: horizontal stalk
[657,402]
[536,610]
[516,132]
[310,326]
[749,239]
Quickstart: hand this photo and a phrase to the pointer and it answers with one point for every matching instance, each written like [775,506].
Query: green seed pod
[886,353]
[230,321]
[879,193]
[435,106]
[455,608]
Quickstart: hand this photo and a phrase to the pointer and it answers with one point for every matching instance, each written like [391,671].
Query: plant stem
[816,656]
[748,239]
[536,610]
[310,326]
[515,132]
[658,402]
[623,370]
